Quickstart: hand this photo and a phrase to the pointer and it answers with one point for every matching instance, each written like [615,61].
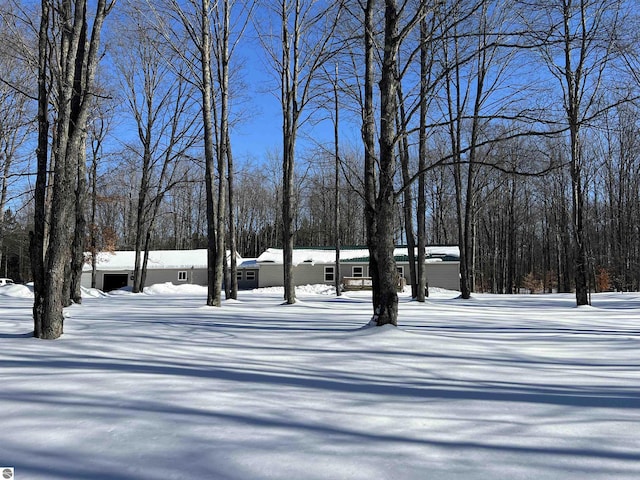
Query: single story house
[317,265]
[311,266]
[115,269]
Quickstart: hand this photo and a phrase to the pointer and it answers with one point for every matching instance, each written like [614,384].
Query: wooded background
[525,102]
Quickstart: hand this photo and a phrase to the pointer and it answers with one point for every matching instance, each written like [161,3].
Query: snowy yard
[157,386]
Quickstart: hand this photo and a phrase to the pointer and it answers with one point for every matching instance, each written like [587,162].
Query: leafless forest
[508,127]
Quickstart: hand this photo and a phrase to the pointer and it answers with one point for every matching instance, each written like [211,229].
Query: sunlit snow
[158,386]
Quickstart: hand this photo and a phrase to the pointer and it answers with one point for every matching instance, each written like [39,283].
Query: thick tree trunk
[73,81]
[385,301]
[368,137]
[57,254]
[37,236]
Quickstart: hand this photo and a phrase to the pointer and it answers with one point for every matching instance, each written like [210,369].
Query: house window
[400,271]
[182,276]
[357,272]
[239,275]
[329,274]
[250,276]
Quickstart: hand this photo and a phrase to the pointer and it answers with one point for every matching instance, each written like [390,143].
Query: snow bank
[506,387]
[26,291]
[92,293]
[316,289]
[17,291]
[169,288]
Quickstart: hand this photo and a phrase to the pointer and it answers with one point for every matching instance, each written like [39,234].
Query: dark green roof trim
[403,258]
[364,247]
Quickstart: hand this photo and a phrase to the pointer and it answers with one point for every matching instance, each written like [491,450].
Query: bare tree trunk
[407,206]
[454,98]
[422,289]
[232,225]
[77,260]
[368,134]
[222,145]
[93,241]
[579,240]
[579,36]
[289,96]
[385,302]
[336,186]
[145,261]
[37,240]
[380,202]
[74,84]
[214,277]
[140,220]
[573,103]
[298,58]
[3,199]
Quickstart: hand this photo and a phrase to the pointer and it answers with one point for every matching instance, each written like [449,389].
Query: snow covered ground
[158,386]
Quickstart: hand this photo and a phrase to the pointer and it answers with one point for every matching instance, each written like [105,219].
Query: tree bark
[289,99]
[422,288]
[407,206]
[336,185]
[233,247]
[37,237]
[79,234]
[385,301]
[74,82]
[368,137]
[214,280]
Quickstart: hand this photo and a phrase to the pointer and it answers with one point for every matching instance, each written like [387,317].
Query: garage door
[114,281]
